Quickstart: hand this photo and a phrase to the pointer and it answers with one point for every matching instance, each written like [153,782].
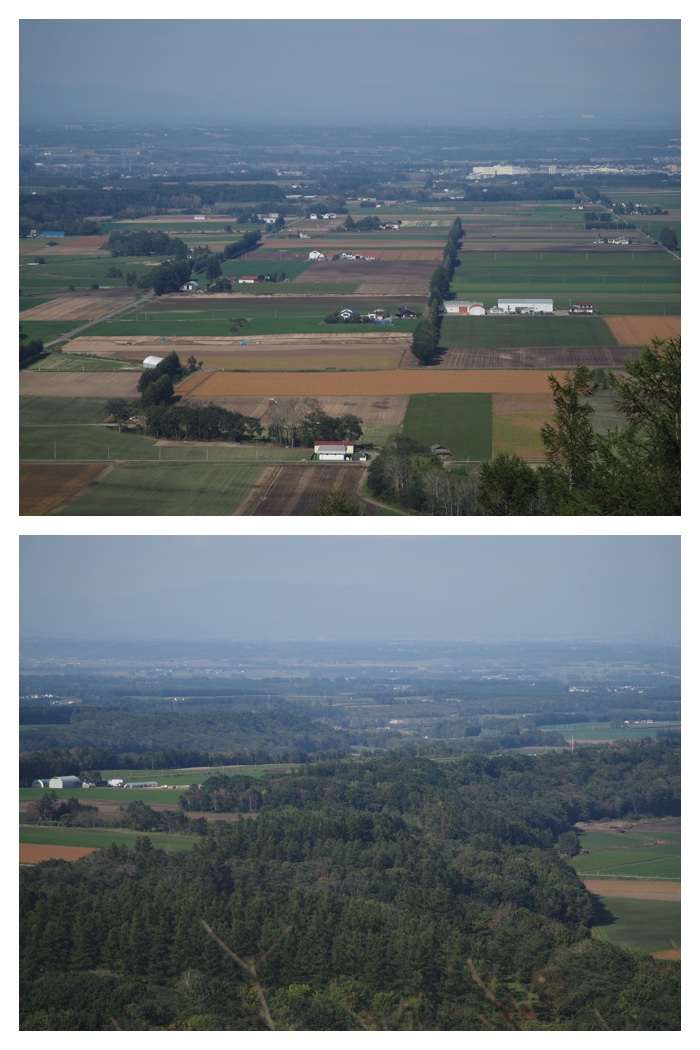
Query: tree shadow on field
[603,917]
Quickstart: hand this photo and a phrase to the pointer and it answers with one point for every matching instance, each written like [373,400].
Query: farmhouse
[463,306]
[65,782]
[441,451]
[334,450]
[151,362]
[526,306]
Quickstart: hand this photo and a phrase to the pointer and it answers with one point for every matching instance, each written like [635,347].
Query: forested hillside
[394,892]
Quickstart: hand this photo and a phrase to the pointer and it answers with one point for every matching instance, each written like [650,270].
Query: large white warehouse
[463,306]
[526,306]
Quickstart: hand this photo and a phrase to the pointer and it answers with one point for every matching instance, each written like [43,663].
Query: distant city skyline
[470,588]
[469,72]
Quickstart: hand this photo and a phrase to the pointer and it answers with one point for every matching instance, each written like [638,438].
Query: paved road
[131,305]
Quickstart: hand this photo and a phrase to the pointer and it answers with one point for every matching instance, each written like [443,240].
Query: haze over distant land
[557,588]
[538,73]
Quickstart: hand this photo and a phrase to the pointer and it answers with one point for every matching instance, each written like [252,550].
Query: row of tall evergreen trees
[426,334]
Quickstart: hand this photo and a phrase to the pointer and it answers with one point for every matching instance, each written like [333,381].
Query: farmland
[197,489]
[460,422]
[270,340]
[298,490]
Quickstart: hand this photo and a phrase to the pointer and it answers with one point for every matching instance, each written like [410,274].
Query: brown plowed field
[345,270]
[79,384]
[635,889]
[541,357]
[67,246]
[44,486]
[298,490]
[639,331]
[32,853]
[384,411]
[669,953]
[73,308]
[363,384]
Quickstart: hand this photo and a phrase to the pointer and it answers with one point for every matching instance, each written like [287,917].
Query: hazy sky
[464,71]
[307,587]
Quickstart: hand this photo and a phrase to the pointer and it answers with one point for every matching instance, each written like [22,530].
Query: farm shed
[143,784]
[65,782]
[440,450]
[316,255]
[334,450]
[116,783]
[526,306]
[42,783]
[247,280]
[464,306]
[190,286]
[151,362]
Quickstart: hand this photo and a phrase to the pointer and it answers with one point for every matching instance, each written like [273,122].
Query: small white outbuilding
[151,362]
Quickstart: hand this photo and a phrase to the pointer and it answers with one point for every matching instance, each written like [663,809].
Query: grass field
[460,422]
[650,926]
[79,363]
[97,838]
[604,731]
[474,333]
[149,795]
[268,316]
[633,854]
[628,279]
[60,410]
[167,489]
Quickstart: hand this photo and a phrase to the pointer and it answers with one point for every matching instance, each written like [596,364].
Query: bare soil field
[45,486]
[639,331]
[379,272]
[82,307]
[635,889]
[382,411]
[298,490]
[32,853]
[71,246]
[669,953]
[79,384]
[541,357]
[363,384]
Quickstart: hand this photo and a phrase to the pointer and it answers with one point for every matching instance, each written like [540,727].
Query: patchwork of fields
[270,341]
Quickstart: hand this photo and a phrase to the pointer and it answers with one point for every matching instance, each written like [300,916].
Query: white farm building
[151,362]
[526,306]
[65,782]
[334,450]
[463,306]
[316,255]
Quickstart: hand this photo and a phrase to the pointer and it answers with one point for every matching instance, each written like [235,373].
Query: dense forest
[386,893]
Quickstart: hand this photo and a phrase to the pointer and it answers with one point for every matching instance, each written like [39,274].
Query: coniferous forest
[390,892]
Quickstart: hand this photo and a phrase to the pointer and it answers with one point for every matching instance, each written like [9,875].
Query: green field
[634,854]
[97,838]
[615,282]
[460,422]
[199,489]
[649,926]
[105,444]
[252,266]
[151,796]
[504,333]
[378,435]
[58,273]
[604,731]
[269,316]
[61,410]
[55,362]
